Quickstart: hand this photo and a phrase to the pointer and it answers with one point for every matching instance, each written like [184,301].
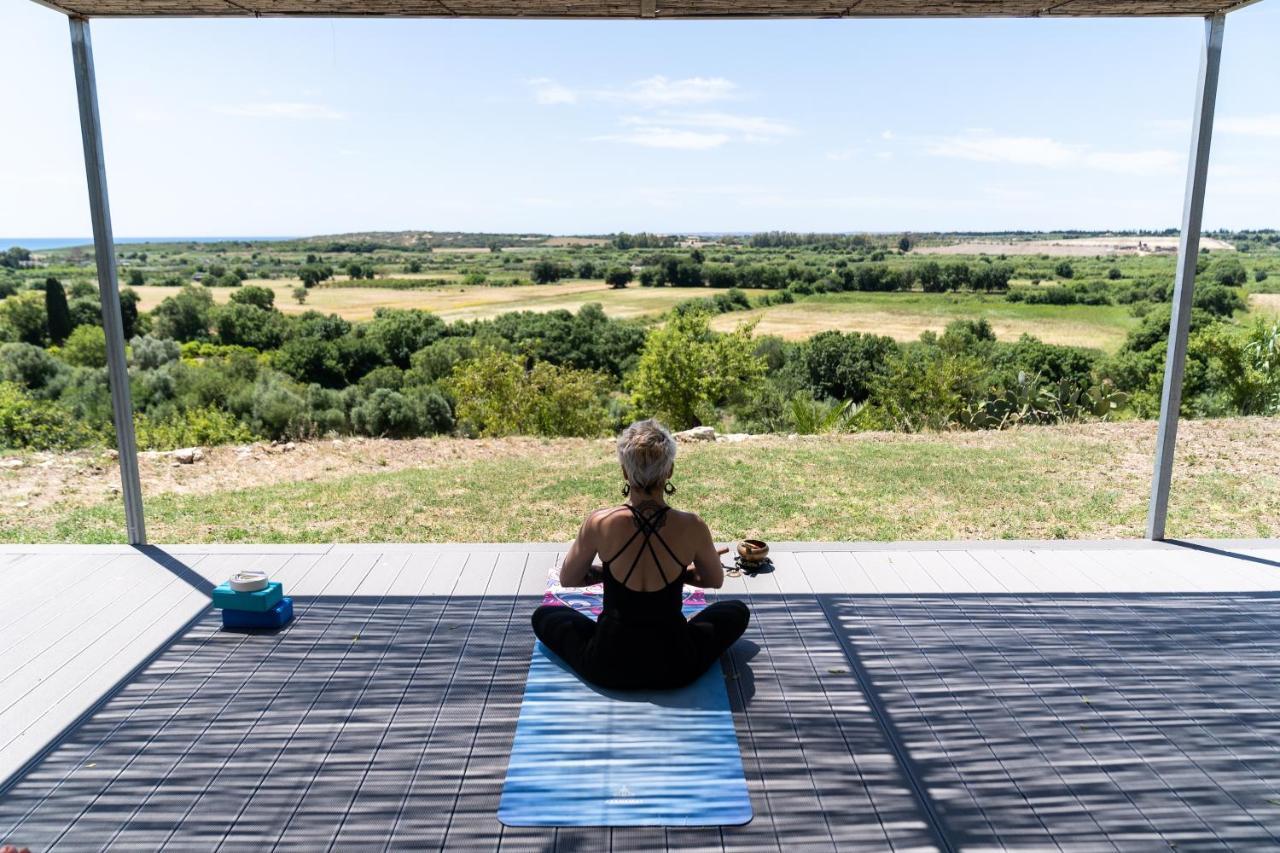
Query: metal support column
[1184,284]
[108,286]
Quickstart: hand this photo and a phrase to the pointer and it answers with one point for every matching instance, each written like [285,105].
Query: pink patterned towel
[590,599]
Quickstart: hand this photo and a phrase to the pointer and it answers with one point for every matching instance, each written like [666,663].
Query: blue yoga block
[276,617]
[261,601]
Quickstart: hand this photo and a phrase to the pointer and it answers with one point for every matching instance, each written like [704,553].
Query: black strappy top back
[637,607]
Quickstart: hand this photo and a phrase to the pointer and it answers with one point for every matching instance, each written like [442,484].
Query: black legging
[712,631]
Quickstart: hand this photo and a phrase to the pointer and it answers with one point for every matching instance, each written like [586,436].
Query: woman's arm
[576,567]
[707,570]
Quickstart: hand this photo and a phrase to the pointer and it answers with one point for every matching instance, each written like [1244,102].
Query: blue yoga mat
[585,756]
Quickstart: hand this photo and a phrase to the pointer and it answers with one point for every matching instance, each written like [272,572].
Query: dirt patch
[1244,447]
[86,477]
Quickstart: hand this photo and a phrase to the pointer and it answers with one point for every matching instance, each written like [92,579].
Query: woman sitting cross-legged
[649,551]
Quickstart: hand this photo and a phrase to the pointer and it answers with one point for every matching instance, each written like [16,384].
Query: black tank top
[635,607]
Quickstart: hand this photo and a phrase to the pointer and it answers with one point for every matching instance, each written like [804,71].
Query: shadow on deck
[946,721]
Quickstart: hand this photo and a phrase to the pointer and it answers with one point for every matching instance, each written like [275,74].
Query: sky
[298,127]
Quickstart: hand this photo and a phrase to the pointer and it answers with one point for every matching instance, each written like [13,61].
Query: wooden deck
[919,695]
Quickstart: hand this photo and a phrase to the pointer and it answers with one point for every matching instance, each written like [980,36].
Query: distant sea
[37,243]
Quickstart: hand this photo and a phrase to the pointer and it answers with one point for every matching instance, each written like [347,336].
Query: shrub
[147,352]
[1063,269]
[27,365]
[311,359]
[1218,300]
[399,333]
[842,366]
[201,426]
[31,424]
[686,371]
[1115,274]
[1228,271]
[385,413]
[497,396]
[87,347]
[247,325]
[926,388]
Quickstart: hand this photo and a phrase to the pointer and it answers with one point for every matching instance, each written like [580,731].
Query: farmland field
[904,316]
[461,302]
[1072,247]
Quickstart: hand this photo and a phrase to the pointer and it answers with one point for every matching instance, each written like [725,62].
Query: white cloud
[667,137]
[548,91]
[749,128]
[1263,125]
[987,147]
[651,92]
[841,155]
[282,109]
[1154,162]
[888,134]
[661,91]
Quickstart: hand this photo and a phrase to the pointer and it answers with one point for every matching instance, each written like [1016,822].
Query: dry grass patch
[1078,481]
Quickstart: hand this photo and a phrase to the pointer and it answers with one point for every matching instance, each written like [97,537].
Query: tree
[956,275]
[136,278]
[22,318]
[1229,272]
[14,257]
[686,371]
[905,243]
[314,273]
[400,332]
[929,274]
[129,311]
[618,277]
[1063,269]
[184,316]
[843,366]
[414,266]
[545,271]
[57,312]
[261,297]
[300,295]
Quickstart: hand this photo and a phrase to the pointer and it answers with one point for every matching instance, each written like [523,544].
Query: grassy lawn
[1084,481]
[903,316]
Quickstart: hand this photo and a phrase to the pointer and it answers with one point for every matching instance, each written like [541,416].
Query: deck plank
[1049,695]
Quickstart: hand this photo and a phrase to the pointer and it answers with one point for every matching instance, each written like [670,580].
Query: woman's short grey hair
[647,453]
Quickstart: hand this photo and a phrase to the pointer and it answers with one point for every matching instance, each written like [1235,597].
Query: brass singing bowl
[753,550]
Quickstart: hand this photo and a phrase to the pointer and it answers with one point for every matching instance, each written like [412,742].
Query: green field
[903,316]
[1079,481]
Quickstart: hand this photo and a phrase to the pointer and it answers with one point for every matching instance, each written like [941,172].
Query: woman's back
[646,547]
[647,551]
